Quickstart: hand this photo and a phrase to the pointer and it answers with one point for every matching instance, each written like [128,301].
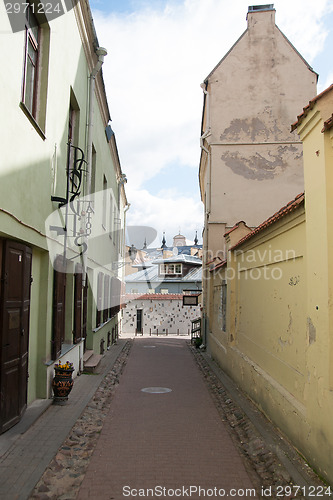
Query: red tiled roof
[328,124]
[213,260]
[153,296]
[234,227]
[309,107]
[218,266]
[287,209]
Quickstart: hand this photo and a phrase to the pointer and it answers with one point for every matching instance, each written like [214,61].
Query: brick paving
[25,453]
[174,440]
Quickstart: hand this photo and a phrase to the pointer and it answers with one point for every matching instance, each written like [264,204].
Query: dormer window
[170,269]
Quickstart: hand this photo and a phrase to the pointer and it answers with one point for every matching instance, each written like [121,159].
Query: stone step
[92,363]
[87,355]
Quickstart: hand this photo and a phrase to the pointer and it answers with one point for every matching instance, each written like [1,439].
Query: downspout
[121,181]
[101,53]
[204,136]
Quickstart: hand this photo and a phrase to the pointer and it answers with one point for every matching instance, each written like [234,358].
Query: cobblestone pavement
[261,459]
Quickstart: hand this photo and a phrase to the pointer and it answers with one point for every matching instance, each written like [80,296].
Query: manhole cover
[156,390]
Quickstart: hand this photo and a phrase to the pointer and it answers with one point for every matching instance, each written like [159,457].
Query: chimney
[267,14]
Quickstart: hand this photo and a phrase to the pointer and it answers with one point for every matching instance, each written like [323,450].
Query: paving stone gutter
[269,459]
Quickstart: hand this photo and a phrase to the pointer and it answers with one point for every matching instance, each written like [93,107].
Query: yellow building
[271,305]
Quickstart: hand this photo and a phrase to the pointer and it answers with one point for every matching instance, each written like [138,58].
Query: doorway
[139,321]
[15,279]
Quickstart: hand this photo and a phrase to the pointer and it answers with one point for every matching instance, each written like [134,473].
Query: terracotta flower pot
[62,384]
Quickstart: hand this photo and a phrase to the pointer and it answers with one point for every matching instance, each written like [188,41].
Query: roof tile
[153,296]
[309,107]
[290,207]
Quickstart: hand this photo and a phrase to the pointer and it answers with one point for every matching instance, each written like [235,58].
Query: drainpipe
[207,213]
[100,52]
[122,179]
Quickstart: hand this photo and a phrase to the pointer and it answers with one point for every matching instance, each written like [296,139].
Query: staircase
[91,361]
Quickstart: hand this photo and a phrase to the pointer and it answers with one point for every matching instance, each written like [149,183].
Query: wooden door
[14,330]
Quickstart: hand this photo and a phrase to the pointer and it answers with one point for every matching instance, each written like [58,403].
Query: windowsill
[32,120]
[65,348]
[95,330]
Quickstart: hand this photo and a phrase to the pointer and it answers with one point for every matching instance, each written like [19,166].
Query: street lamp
[132,252]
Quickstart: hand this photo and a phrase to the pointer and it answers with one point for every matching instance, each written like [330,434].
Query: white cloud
[166,211]
[156,62]
[304,24]
[326,83]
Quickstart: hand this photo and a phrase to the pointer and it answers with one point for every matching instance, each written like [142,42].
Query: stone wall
[162,314]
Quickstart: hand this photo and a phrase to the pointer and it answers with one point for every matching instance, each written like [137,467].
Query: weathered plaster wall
[255,93]
[278,339]
[264,344]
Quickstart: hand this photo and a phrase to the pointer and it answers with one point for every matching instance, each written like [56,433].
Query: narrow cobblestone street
[160,423]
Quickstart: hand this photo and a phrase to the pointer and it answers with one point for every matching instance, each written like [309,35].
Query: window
[93,169]
[106,309]
[111,222]
[170,269]
[224,305]
[105,187]
[59,302]
[77,331]
[73,134]
[35,69]
[31,59]
[99,305]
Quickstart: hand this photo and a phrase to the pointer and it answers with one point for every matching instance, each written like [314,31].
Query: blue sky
[159,52]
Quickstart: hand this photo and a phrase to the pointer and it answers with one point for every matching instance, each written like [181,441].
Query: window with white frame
[170,268]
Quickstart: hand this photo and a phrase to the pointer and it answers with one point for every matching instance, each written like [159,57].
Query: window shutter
[77,335]
[59,299]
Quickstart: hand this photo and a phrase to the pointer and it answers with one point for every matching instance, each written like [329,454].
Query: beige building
[250,163]
[271,312]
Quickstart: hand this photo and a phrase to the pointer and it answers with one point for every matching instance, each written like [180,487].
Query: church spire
[163,241]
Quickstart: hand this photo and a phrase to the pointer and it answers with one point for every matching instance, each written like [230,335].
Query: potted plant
[198,342]
[62,382]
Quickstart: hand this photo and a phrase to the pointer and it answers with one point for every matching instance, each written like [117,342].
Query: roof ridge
[291,205]
[309,106]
